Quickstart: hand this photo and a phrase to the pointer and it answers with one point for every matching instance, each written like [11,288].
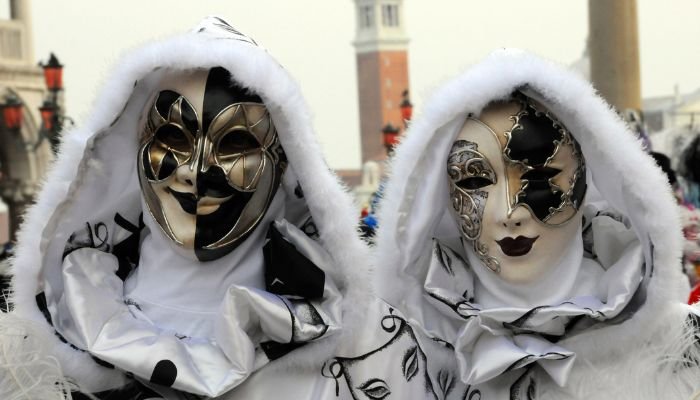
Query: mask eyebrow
[168,99]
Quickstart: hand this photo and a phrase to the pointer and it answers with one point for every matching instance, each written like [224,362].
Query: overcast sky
[312,39]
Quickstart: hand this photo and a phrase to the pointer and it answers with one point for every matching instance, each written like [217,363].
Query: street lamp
[406,108]
[53,74]
[52,116]
[12,113]
[390,133]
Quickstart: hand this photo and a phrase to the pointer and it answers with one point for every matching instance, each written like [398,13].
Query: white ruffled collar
[490,341]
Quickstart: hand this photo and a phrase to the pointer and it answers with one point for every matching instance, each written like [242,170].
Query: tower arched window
[366,16]
[390,14]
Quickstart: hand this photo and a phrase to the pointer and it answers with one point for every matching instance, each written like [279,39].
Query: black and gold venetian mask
[210,161]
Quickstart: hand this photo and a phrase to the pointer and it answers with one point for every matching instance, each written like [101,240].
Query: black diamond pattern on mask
[535,141]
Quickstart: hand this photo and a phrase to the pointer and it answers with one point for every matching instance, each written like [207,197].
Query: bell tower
[381,48]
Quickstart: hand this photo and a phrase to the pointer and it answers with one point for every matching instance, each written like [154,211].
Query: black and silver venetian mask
[210,161]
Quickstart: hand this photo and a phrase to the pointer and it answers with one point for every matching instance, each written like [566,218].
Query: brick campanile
[381,46]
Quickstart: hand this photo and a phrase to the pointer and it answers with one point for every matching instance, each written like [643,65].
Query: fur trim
[253,67]
[665,367]
[28,369]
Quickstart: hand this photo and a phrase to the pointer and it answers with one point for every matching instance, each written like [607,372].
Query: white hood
[621,179]
[95,177]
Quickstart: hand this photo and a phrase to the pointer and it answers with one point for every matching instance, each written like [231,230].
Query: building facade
[24,154]
[381,48]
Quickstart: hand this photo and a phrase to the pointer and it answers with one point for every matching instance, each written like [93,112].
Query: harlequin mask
[517,180]
[210,161]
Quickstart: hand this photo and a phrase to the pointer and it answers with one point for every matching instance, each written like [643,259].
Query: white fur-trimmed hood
[626,177]
[254,68]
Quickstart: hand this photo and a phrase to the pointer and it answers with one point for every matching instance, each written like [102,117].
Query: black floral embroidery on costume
[472,394]
[525,387]
[412,364]
[97,236]
[530,358]
[375,389]
[94,236]
[446,382]
[409,363]
[465,309]
[444,258]
[128,250]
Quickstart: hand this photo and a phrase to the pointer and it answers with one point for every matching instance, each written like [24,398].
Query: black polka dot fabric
[164,373]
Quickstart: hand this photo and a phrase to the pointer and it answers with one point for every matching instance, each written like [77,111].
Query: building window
[366,16]
[390,14]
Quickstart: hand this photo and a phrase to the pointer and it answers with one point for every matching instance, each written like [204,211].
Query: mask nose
[515,218]
[187,176]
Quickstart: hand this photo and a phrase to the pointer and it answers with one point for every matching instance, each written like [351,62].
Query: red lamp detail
[12,113]
[406,109]
[48,112]
[391,136]
[53,74]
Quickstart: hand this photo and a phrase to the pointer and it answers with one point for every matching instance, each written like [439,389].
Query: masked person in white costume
[524,226]
[189,235]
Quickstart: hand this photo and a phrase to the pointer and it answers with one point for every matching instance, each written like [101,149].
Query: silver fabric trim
[92,314]
[492,342]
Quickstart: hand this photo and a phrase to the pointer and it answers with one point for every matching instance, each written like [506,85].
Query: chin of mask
[517,180]
[210,161]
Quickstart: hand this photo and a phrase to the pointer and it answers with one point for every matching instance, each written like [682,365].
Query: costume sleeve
[300,304]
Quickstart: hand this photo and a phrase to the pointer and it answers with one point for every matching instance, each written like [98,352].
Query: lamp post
[390,133]
[406,108]
[12,113]
[52,115]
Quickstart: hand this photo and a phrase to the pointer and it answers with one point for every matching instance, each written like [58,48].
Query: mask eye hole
[474,182]
[236,142]
[174,138]
[541,173]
